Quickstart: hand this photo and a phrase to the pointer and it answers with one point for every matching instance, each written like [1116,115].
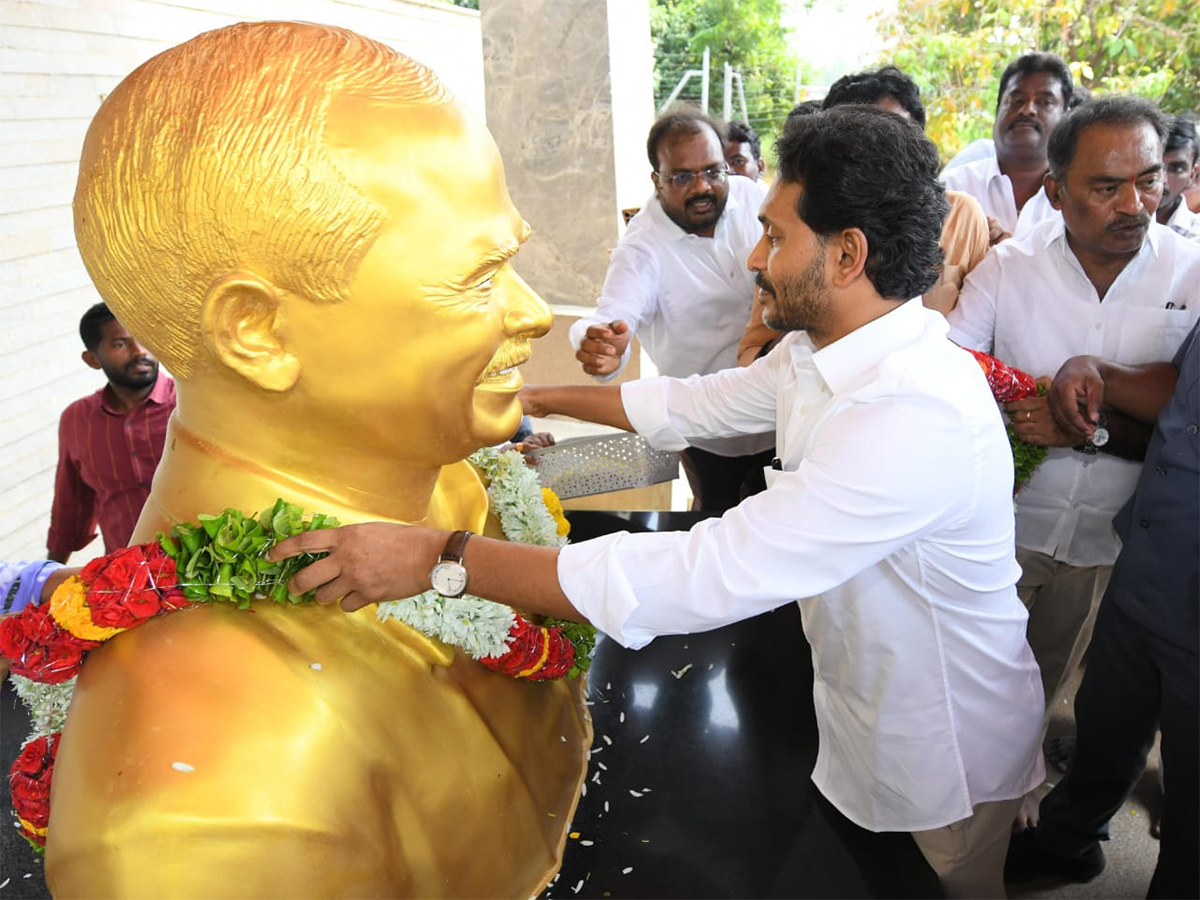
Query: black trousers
[721,482]
[1135,683]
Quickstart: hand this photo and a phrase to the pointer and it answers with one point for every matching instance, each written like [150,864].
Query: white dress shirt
[891,521]
[686,297]
[1184,222]
[1031,305]
[984,181]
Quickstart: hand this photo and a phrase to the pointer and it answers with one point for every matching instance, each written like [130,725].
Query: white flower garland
[477,626]
[47,704]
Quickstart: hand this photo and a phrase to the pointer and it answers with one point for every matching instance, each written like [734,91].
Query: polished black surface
[20,868]
[699,784]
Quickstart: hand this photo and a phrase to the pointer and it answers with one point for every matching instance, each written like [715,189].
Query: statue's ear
[241,317]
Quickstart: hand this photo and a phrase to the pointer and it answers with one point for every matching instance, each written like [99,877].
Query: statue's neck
[201,475]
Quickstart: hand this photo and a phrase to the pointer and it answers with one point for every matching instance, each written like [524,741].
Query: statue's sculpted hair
[211,158]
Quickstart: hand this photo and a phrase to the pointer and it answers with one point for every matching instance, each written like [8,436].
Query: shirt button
[1159,470]
[1098,326]
[1074,506]
[1144,523]
[1192,429]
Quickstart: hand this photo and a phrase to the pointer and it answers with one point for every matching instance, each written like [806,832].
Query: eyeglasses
[681,181]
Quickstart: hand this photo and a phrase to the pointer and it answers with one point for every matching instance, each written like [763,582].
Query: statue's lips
[504,373]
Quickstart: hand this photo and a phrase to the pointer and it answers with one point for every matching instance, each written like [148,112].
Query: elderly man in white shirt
[678,280]
[1106,280]
[1035,91]
[888,515]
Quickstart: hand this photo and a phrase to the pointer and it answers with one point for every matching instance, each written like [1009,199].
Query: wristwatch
[449,575]
[1098,439]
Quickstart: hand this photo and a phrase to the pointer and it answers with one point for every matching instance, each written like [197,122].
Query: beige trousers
[1062,601]
[968,855]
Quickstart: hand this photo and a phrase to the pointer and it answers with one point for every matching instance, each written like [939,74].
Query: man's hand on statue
[367,563]
[1076,396]
[1034,424]
[602,348]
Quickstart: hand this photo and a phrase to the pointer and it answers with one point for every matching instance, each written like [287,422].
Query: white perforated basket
[596,465]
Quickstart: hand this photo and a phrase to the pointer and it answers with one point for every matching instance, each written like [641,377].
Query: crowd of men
[1069,236]
[860,463]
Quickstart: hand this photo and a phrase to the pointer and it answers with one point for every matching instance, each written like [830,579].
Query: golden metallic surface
[313,236]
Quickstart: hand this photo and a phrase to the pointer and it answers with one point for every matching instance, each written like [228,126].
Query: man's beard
[801,302]
[133,380]
[693,225]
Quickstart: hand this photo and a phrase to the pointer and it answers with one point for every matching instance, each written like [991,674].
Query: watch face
[1100,438]
[449,578]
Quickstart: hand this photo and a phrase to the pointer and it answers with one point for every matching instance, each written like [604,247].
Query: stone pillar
[570,99]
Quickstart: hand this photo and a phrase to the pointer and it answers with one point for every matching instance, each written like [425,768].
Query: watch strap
[456,545]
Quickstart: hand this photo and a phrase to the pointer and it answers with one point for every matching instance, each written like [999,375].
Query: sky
[835,36]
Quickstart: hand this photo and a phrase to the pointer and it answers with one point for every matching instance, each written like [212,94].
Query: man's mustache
[701,198]
[1141,220]
[761,280]
[1026,120]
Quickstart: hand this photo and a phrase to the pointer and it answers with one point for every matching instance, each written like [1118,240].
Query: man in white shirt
[1035,92]
[1105,280]
[1180,163]
[889,513]
[678,280]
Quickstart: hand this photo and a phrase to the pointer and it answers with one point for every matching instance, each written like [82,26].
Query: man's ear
[240,318]
[91,359]
[1054,191]
[847,257]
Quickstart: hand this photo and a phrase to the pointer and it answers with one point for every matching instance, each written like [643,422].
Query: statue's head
[306,215]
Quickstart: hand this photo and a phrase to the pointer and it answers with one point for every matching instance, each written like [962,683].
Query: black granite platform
[699,778]
[20,868]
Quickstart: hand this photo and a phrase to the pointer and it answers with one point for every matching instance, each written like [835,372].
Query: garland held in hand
[222,559]
[1008,384]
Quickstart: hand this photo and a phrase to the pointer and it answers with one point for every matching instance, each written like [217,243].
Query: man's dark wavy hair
[1038,61]
[744,133]
[872,86]
[682,120]
[91,325]
[1182,137]
[1114,109]
[862,167]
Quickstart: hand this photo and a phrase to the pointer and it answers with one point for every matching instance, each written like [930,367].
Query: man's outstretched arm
[600,403]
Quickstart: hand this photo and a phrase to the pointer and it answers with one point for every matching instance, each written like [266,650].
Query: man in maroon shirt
[110,442]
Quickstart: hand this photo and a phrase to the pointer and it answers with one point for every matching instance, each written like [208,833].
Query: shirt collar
[841,362]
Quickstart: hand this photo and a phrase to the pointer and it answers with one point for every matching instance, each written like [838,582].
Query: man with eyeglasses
[678,280]
[1103,279]
[1035,92]
[1181,168]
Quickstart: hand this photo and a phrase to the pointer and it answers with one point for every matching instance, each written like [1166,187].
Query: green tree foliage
[747,34]
[957,49]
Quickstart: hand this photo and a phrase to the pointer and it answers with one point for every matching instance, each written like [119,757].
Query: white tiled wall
[58,59]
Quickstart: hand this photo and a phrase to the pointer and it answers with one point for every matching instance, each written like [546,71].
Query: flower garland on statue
[1008,384]
[222,559]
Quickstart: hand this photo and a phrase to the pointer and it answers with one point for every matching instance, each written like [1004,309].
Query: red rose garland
[29,784]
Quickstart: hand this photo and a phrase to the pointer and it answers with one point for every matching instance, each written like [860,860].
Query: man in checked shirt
[109,442]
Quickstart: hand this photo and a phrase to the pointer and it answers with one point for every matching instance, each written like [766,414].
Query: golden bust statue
[315,238]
